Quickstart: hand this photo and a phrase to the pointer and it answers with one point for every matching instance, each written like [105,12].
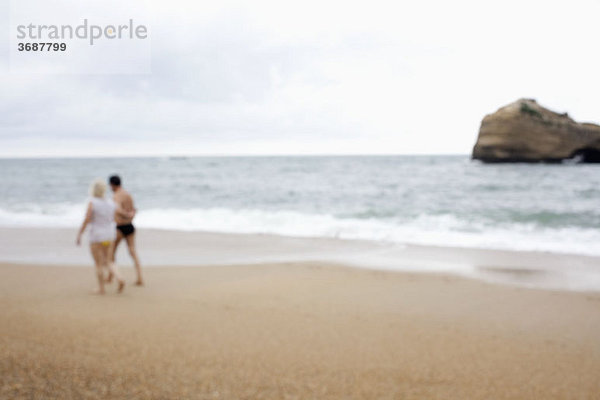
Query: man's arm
[133,209]
[124,213]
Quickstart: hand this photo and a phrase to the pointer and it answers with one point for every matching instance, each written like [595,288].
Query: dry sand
[292,331]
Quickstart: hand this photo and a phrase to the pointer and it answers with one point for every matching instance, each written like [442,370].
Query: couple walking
[110,221]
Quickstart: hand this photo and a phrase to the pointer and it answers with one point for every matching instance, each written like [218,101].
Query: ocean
[429,200]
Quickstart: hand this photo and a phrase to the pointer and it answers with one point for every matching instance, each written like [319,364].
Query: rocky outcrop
[524,131]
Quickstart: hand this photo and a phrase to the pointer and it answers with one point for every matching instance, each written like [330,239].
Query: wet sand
[56,246]
[306,330]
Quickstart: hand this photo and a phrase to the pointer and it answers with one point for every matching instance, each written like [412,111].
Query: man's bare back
[123,199]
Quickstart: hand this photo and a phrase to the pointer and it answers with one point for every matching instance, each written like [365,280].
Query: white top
[102,225]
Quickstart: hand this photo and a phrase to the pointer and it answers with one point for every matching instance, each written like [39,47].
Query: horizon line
[24,157]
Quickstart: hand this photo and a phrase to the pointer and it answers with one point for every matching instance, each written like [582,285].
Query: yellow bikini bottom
[106,243]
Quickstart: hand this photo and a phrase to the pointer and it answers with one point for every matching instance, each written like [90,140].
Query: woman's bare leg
[99,260]
[112,268]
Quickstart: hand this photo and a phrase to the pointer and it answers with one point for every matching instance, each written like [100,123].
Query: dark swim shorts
[126,229]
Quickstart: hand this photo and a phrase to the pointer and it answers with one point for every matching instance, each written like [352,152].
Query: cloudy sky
[309,77]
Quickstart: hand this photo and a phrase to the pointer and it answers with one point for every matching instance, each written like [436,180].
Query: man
[125,229]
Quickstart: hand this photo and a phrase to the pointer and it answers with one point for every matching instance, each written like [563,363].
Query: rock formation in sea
[524,131]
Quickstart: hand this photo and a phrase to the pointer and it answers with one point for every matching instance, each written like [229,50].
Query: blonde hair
[98,188]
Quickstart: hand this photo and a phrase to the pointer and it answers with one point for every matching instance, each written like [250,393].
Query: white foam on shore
[49,216]
[440,230]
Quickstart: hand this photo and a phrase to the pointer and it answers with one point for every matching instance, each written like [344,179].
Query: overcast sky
[311,77]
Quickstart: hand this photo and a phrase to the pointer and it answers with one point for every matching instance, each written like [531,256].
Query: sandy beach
[292,330]
[316,200]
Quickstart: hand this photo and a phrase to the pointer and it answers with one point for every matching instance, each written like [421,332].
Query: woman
[100,216]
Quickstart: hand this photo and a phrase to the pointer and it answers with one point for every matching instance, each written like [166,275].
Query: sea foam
[438,230]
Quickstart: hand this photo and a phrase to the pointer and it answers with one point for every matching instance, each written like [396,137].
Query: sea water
[431,200]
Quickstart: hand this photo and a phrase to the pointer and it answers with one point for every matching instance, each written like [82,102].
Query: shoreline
[554,271]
